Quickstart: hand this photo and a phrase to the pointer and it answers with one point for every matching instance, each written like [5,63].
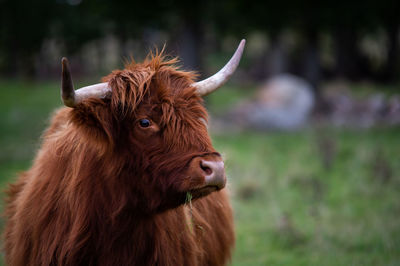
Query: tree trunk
[349,61]
[187,44]
[390,69]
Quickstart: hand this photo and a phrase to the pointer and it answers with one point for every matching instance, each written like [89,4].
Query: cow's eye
[144,122]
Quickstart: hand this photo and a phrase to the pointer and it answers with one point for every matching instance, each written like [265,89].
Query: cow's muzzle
[207,175]
[214,173]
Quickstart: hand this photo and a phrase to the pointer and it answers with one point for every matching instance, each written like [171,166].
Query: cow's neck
[146,238]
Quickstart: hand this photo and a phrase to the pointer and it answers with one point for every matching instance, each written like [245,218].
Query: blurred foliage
[321,196]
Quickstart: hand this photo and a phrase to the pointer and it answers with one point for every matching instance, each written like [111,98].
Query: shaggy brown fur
[105,191]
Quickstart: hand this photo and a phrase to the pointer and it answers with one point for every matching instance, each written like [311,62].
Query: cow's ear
[94,118]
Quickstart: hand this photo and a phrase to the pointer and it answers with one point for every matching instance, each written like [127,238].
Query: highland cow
[126,175]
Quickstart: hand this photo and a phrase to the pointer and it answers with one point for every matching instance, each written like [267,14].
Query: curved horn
[212,83]
[67,87]
[71,97]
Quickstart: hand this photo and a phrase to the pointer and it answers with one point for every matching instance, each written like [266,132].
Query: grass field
[314,197]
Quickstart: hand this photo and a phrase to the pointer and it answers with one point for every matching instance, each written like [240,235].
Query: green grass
[293,209]
[24,110]
[315,197]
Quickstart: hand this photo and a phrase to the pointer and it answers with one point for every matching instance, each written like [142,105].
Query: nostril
[214,173]
[205,168]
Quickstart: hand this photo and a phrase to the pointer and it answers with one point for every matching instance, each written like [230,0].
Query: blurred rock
[361,111]
[286,102]
[283,102]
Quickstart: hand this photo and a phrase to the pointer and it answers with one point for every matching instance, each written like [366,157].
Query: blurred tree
[77,22]
[188,29]
[24,25]
[388,16]
[129,19]
[191,26]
